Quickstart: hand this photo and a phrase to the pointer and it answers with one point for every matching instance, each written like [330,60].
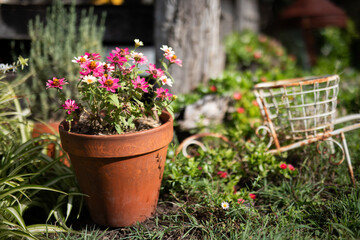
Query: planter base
[120,174]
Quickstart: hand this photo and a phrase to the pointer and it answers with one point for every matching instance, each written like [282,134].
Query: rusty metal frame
[306,108]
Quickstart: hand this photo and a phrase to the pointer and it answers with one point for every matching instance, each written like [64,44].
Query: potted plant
[51,51]
[117,136]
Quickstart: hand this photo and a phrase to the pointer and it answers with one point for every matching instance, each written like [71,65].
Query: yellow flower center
[82,60]
[108,83]
[56,82]
[174,57]
[92,65]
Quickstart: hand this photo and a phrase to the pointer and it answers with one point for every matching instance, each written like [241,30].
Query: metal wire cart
[301,111]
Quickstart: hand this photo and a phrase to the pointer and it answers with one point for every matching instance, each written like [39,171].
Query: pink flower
[283,166]
[222,174]
[200,167]
[108,68]
[240,110]
[173,59]
[121,52]
[240,201]
[111,84]
[138,58]
[255,103]
[252,196]
[291,167]
[70,105]
[93,56]
[116,59]
[156,73]
[237,96]
[140,83]
[56,83]
[126,71]
[257,54]
[163,93]
[92,68]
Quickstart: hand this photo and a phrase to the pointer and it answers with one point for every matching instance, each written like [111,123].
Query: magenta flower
[138,58]
[126,71]
[173,59]
[237,96]
[222,174]
[70,105]
[140,83]
[163,93]
[116,59]
[92,68]
[283,166]
[291,167]
[121,52]
[240,110]
[111,84]
[155,72]
[253,196]
[56,83]
[93,56]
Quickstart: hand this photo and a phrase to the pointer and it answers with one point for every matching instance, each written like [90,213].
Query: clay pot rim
[168,120]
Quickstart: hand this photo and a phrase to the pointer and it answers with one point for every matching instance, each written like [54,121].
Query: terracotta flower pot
[121,174]
[53,129]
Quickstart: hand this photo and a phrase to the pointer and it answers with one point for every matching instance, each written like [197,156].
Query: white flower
[89,79]
[80,59]
[166,81]
[6,67]
[167,50]
[138,43]
[225,205]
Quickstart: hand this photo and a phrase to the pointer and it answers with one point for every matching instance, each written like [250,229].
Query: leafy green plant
[54,43]
[26,173]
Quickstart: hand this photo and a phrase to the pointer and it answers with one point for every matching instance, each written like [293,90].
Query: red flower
[283,166]
[213,88]
[240,201]
[255,103]
[222,174]
[240,110]
[263,79]
[257,54]
[253,196]
[237,96]
[291,167]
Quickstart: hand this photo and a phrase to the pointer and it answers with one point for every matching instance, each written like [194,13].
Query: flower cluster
[116,93]
[285,166]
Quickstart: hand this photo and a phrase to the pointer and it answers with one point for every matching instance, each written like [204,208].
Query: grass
[317,203]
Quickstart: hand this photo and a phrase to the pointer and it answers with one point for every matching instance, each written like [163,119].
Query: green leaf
[113,99]
[118,129]
[17,189]
[17,216]
[42,228]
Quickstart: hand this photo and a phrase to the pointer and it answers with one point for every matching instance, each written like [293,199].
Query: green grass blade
[17,216]
[21,188]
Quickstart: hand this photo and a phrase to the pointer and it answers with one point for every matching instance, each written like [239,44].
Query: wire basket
[299,108]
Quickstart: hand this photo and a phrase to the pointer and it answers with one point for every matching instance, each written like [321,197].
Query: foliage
[26,173]
[114,94]
[54,42]
[12,116]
